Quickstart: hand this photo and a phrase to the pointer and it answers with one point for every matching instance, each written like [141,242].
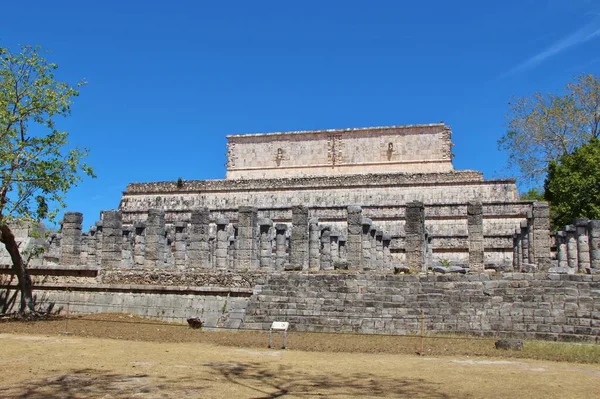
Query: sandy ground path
[54,366]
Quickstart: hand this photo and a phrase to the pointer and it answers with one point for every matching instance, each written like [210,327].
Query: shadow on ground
[90,383]
[269,384]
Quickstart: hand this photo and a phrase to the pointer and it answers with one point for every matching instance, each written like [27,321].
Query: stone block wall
[555,307]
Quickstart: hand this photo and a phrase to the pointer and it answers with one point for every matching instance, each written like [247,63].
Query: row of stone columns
[578,247]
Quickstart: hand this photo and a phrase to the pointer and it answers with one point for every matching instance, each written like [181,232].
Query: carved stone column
[326,263]
[70,243]
[415,236]
[475,228]
[299,240]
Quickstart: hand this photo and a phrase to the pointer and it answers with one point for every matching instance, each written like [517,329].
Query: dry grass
[127,327]
[154,360]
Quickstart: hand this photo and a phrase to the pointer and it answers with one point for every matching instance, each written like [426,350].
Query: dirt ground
[117,356]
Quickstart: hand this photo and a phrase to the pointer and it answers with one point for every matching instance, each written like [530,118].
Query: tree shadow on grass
[268,384]
[90,383]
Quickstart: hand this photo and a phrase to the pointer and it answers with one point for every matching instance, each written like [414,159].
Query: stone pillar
[594,233]
[367,264]
[415,236]
[515,259]
[373,238]
[342,248]
[530,241]
[475,228]
[354,243]
[112,239]
[326,263]
[70,243]
[314,245]
[266,246]
[541,235]
[561,249]
[524,242]
[155,238]
[231,252]
[280,246]
[99,242]
[572,261]
[91,247]
[247,221]
[199,248]
[378,250]
[334,243]
[519,250]
[180,254]
[221,244]
[583,245]
[387,254]
[299,240]
[139,244]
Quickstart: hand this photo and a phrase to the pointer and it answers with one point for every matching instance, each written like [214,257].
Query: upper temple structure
[336,152]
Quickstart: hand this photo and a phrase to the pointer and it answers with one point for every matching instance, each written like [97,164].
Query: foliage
[544,127]
[534,194]
[35,167]
[573,185]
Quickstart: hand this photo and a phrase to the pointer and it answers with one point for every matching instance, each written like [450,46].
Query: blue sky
[169,80]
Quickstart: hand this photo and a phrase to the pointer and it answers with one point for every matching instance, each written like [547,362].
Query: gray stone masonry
[181,237]
[524,242]
[299,240]
[342,248]
[70,243]
[326,261]
[314,244]
[561,249]
[519,250]
[387,254]
[198,250]
[221,259]
[354,242]
[373,239]
[541,235]
[572,261]
[516,246]
[112,239]
[368,262]
[541,305]
[280,246]
[530,255]
[378,250]
[415,236]
[583,245]
[247,222]
[155,239]
[594,230]
[475,228]
[266,243]
[335,248]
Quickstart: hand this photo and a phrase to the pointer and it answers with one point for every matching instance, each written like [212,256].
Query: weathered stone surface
[415,236]
[475,226]
[299,244]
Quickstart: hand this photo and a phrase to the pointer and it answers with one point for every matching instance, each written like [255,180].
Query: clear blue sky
[168,80]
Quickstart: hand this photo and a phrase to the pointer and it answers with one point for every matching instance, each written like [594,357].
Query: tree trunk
[25,286]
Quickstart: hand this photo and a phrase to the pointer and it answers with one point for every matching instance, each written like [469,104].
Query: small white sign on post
[279,326]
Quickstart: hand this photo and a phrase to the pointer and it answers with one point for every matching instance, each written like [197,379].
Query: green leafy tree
[545,127]
[534,194]
[37,167]
[573,185]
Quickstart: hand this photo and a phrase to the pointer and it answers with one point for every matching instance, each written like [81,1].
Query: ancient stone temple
[350,230]
[381,169]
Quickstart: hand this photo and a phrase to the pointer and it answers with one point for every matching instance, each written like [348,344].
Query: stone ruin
[380,202]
